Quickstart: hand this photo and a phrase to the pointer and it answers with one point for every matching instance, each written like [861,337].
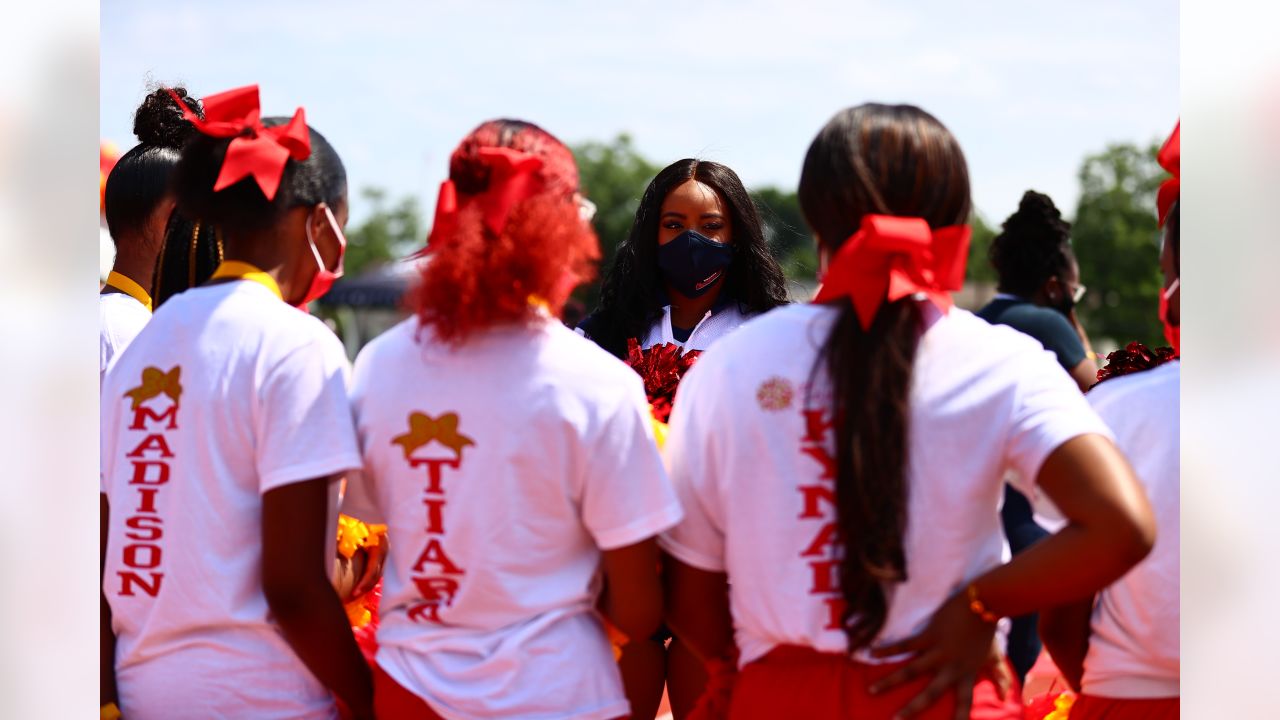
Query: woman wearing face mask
[225,429]
[1039,283]
[138,205]
[840,463]
[695,266]
[510,458]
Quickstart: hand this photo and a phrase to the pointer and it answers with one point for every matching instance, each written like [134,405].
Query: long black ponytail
[890,160]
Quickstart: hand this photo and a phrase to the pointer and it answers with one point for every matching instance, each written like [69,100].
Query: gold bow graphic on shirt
[423,429]
[156,381]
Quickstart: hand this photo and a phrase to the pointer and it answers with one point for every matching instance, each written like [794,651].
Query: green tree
[979,268]
[613,175]
[386,234]
[1115,237]
[787,233]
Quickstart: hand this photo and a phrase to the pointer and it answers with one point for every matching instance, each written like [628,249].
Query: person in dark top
[1039,286]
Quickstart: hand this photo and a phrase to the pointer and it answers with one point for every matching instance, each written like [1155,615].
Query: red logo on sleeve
[154,412]
[434,574]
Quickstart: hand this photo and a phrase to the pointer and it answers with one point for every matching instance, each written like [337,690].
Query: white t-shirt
[236,393]
[120,319]
[751,453]
[503,467]
[1133,650]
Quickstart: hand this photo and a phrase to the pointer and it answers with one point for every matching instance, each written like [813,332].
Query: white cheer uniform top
[226,394]
[1133,646]
[751,453]
[503,467]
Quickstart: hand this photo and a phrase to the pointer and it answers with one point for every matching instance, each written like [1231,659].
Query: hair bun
[159,122]
[1037,211]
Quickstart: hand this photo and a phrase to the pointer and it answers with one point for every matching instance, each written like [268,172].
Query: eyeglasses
[586,208]
[1077,294]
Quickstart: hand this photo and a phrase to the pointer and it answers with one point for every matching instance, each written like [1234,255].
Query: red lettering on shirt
[145,528]
[434,553]
[432,571]
[153,442]
[813,497]
[435,515]
[818,504]
[141,414]
[130,580]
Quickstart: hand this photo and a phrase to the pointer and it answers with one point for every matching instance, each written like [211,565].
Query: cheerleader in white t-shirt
[1121,651]
[694,267]
[225,429]
[137,204]
[509,458]
[841,463]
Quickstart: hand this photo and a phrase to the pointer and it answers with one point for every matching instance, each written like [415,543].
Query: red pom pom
[1135,357]
[661,367]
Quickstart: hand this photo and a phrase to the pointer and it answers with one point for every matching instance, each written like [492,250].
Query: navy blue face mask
[693,263]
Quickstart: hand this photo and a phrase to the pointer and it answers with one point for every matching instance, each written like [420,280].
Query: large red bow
[1169,156]
[513,177]
[892,257]
[257,151]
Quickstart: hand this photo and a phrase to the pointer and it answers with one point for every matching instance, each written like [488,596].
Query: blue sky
[1028,88]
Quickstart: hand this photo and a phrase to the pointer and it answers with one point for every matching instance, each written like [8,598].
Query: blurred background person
[137,203]
[1039,287]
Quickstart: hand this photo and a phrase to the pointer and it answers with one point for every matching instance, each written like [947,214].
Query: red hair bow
[513,177]
[892,257]
[256,151]
[1169,156]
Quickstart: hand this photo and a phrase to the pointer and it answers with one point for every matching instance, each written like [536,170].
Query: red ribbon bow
[513,177]
[892,257]
[1169,156]
[257,151]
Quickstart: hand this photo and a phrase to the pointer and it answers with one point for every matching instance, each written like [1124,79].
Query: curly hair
[1034,245]
[631,297]
[140,179]
[472,277]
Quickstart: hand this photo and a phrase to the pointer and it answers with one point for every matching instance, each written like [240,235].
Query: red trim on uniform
[800,682]
[392,700]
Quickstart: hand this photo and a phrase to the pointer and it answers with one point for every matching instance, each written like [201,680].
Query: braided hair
[1034,245]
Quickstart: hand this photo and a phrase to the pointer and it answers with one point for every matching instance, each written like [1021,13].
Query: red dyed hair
[474,278]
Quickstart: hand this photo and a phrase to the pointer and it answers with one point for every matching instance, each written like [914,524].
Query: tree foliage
[1114,232]
[979,269]
[787,233]
[613,175]
[1115,236]
[386,234]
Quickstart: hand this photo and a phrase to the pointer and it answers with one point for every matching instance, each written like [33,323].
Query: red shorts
[1090,707]
[391,700]
[794,681]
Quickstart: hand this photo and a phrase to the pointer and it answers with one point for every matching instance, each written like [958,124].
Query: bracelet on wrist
[977,607]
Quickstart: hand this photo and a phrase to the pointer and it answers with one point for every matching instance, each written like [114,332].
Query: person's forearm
[1065,631]
[1069,566]
[315,625]
[107,692]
